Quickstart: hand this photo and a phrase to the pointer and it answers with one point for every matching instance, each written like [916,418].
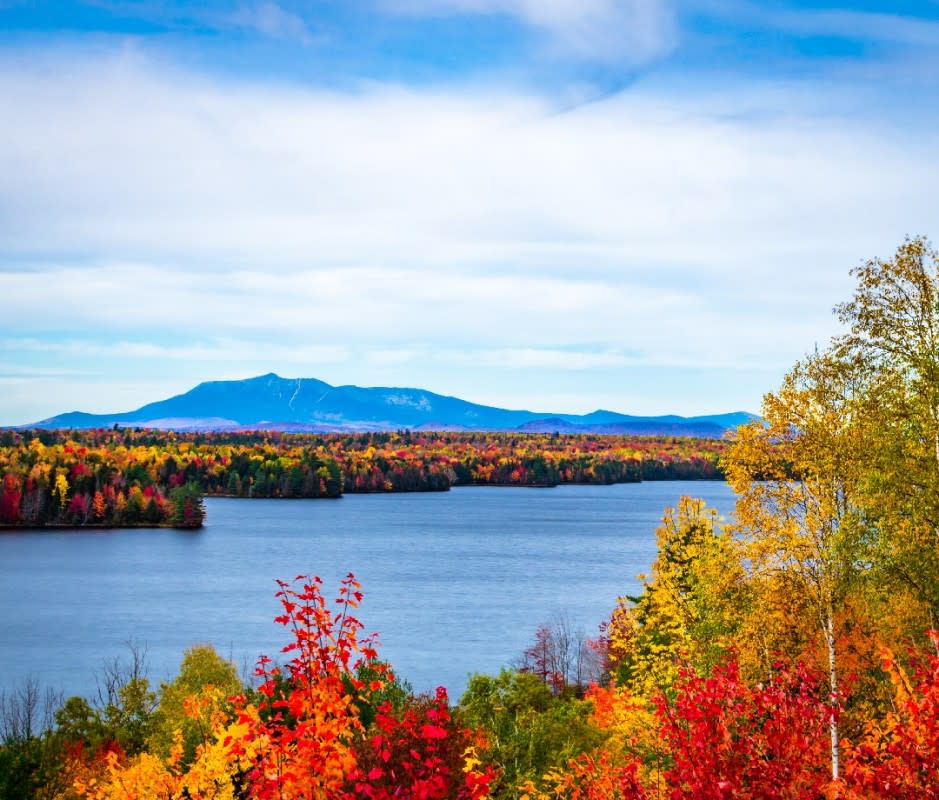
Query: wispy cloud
[312,309]
[855,25]
[14,371]
[216,350]
[875,20]
[271,20]
[612,31]
[540,359]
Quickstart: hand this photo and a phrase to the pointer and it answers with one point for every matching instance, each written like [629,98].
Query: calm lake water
[455,582]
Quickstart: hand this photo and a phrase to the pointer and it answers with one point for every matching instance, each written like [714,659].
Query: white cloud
[389,229]
[614,31]
[315,310]
[126,158]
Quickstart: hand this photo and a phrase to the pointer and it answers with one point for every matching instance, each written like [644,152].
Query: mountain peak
[273,402]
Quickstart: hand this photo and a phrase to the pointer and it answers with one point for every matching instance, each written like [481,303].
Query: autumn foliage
[73,484]
[149,477]
[301,734]
[421,753]
[898,755]
[325,725]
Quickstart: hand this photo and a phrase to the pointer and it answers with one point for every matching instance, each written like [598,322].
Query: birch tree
[797,512]
[893,322]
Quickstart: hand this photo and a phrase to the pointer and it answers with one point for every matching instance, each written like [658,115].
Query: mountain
[307,404]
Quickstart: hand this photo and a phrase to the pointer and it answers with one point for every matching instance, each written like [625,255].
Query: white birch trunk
[833,696]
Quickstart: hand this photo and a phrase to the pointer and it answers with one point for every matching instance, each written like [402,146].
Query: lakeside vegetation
[792,654]
[126,477]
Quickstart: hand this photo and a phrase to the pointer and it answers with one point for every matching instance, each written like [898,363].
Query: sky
[649,206]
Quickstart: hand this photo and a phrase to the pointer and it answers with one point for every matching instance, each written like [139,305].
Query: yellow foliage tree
[144,777]
[690,607]
[894,331]
[795,473]
[60,490]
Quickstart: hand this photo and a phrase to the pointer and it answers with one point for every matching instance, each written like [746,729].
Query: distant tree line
[126,477]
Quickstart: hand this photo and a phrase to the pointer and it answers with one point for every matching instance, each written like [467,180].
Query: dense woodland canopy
[145,477]
[791,655]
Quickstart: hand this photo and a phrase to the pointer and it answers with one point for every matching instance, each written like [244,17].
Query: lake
[455,582]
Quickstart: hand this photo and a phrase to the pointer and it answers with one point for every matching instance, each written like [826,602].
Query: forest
[790,654]
[114,478]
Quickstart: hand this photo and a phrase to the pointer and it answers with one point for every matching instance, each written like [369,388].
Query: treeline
[140,477]
[406,460]
[76,496]
[69,483]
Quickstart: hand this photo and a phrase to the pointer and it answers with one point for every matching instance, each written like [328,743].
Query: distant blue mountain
[307,404]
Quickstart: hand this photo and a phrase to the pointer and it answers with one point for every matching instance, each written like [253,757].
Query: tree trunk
[833,696]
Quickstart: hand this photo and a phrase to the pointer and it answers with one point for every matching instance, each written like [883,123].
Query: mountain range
[307,404]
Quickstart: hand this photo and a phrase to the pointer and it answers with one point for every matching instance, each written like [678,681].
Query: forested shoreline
[129,478]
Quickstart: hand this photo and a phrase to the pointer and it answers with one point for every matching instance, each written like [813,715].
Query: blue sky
[643,205]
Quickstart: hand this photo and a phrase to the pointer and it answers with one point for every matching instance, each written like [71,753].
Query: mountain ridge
[270,402]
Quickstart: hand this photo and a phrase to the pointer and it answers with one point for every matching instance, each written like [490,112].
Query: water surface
[455,582]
